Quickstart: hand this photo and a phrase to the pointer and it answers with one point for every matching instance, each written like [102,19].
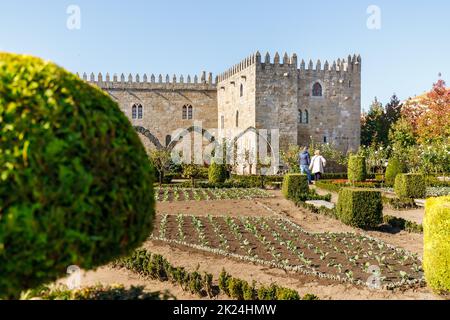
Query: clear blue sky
[137,36]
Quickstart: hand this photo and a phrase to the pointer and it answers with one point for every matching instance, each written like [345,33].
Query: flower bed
[344,257]
[165,194]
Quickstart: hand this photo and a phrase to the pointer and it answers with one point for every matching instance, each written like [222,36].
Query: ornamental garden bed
[280,243]
[170,194]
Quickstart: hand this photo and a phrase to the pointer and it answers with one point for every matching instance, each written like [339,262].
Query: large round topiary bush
[76,186]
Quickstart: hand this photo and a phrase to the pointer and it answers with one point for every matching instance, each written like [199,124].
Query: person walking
[304,162]
[317,165]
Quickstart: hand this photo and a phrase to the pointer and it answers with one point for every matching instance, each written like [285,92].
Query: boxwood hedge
[410,186]
[357,169]
[436,253]
[76,186]
[217,173]
[294,184]
[395,167]
[362,208]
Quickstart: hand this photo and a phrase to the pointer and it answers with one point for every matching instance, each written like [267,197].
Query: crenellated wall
[162,99]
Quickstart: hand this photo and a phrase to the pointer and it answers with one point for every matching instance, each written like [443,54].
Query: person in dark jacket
[305,162]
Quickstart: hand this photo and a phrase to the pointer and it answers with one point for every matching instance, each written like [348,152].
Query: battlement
[351,64]
[204,82]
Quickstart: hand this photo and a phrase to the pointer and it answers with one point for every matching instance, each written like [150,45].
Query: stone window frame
[137,111]
[306,118]
[187,112]
[300,116]
[241,90]
[322,91]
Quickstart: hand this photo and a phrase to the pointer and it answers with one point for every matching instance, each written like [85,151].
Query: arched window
[185,113]
[237,119]
[190,112]
[317,90]
[168,140]
[306,117]
[134,112]
[241,93]
[300,116]
[140,112]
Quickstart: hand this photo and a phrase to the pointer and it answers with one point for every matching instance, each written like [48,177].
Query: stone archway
[146,133]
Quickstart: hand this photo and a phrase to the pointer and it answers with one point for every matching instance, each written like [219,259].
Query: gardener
[317,165]
[305,161]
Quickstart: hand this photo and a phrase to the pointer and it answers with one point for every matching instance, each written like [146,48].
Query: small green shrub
[395,167]
[357,169]
[235,288]
[436,254]
[224,277]
[402,224]
[217,173]
[410,186]
[76,184]
[362,208]
[293,184]
[400,204]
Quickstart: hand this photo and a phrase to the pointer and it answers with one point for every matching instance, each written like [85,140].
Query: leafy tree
[160,159]
[290,158]
[434,123]
[373,128]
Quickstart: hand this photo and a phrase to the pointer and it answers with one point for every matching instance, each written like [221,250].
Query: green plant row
[399,204]
[157,267]
[241,290]
[337,186]
[402,224]
[98,292]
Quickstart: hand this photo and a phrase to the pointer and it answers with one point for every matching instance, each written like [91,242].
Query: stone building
[299,101]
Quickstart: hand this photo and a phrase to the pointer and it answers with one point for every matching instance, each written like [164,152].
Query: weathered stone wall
[334,117]
[276,98]
[163,103]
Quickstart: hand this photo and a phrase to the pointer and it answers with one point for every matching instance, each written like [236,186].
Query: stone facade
[302,101]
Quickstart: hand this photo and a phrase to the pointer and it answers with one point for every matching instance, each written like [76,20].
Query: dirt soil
[277,206]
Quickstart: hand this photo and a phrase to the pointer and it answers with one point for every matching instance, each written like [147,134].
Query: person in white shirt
[317,165]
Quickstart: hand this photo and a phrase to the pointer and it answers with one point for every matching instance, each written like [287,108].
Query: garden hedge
[217,173]
[436,254]
[362,208]
[357,169]
[395,167]
[294,184]
[410,185]
[76,185]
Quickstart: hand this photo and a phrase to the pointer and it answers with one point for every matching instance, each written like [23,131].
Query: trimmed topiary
[410,185]
[76,185]
[395,167]
[357,169]
[436,253]
[217,173]
[294,184]
[361,208]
